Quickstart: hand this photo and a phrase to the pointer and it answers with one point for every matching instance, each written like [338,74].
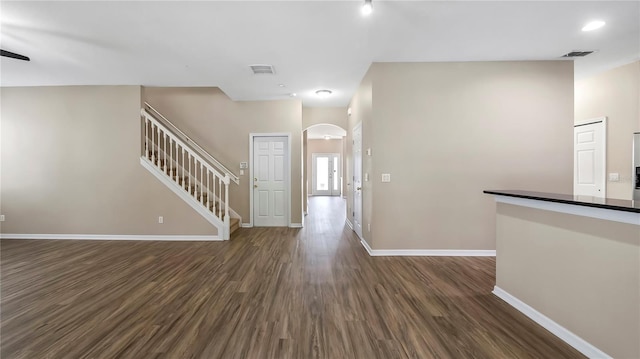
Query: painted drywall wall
[590,280]
[71,165]
[447,131]
[329,115]
[614,94]
[222,127]
[322,146]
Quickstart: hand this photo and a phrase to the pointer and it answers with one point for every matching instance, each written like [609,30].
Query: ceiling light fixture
[293,94]
[324,93]
[367,7]
[593,25]
[280,85]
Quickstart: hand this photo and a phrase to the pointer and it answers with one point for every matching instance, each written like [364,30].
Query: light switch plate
[1,217]
[386,177]
[368,152]
[241,172]
[160,219]
[366,176]
[614,177]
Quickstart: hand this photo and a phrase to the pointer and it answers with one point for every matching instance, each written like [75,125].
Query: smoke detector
[579,53]
[261,69]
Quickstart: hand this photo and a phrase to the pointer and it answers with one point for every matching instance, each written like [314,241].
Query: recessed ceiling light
[281,85]
[593,25]
[293,94]
[324,93]
[367,8]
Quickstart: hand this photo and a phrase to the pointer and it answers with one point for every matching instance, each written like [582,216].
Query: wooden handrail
[188,141]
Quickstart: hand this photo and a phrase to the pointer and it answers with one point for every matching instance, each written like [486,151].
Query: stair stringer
[223,230]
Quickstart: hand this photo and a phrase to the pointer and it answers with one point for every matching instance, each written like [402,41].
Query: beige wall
[581,272]
[616,95]
[222,127]
[71,165]
[322,146]
[447,131]
[305,177]
[329,115]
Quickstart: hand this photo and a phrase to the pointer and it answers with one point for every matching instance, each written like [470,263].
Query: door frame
[287,175]
[353,189]
[314,156]
[603,121]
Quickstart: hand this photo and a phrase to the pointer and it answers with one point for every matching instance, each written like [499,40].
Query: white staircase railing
[187,169]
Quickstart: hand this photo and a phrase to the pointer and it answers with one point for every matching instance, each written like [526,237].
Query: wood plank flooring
[268,293]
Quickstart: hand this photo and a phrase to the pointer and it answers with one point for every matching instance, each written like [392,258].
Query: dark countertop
[587,201]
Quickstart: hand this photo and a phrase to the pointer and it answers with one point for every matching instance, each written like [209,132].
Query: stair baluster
[220,188]
[183,166]
[146,138]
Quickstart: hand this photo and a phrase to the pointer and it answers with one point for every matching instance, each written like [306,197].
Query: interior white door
[270,187]
[325,174]
[357,180]
[589,159]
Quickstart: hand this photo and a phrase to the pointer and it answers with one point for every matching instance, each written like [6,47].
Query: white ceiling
[311,44]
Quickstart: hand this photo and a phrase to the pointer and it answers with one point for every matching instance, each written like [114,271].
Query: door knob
[255,186]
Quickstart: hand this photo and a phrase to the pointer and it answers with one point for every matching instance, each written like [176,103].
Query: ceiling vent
[578,53]
[262,69]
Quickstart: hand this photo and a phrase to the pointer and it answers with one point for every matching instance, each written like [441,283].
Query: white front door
[589,159]
[270,187]
[357,180]
[326,174]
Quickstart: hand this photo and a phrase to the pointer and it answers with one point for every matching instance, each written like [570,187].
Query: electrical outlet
[1,217]
[614,177]
[160,219]
[386,177]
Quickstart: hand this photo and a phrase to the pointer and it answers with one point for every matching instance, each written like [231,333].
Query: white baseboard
[556,329]
[349,223]
[292,225]
[428,252]
[366,246]
[112,237]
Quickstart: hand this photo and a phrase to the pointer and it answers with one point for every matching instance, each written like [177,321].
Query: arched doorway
[324,148]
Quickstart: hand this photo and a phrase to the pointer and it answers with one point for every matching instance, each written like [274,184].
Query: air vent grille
[578,53]
[262,69]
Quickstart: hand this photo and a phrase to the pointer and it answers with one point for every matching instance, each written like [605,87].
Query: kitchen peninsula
[572,264]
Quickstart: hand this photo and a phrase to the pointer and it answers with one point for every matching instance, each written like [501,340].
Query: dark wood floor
[268,293]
